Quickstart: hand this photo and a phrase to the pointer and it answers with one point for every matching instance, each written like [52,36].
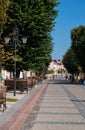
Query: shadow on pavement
[61,81]
[78,100]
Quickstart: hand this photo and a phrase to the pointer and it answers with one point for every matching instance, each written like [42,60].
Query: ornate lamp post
[15,42]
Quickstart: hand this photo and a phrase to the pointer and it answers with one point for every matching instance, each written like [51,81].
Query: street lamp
[15,42]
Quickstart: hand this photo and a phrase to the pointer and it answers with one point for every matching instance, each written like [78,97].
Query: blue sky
[71,15]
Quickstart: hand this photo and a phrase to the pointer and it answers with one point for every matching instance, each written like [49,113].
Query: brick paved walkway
[63,108]
[14,118]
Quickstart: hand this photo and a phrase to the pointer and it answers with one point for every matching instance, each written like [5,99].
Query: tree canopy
[3,17]
[3,8]
[75,55]
[35,19]
[70,62]
[78,44]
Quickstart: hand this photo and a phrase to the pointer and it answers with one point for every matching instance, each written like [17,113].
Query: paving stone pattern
[62,107]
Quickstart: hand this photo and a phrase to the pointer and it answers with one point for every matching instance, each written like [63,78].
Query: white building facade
[56,66]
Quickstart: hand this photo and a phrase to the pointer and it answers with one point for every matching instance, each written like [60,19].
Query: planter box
[21,84]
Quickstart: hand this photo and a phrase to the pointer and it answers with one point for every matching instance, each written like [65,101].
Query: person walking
[84,81]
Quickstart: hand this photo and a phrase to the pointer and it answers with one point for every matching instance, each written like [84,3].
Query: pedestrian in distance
[84,81]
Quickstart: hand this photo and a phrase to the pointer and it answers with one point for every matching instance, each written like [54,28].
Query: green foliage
[74,57]
[3,17]
[3,8]
[70,62]
[78,44]
[60,71]
[50,72]
[11,100]
[34,19]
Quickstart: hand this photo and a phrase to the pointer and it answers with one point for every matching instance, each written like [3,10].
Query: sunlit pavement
[62,108]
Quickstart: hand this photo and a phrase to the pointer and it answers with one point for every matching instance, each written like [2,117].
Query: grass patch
[11,100]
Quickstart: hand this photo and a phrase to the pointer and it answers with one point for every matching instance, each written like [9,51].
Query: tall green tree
[78,44]
[34,19]
[70,62]
[3,17]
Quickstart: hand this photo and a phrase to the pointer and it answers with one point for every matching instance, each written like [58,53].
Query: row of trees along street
[74,58]
[35,19]
[3,18]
